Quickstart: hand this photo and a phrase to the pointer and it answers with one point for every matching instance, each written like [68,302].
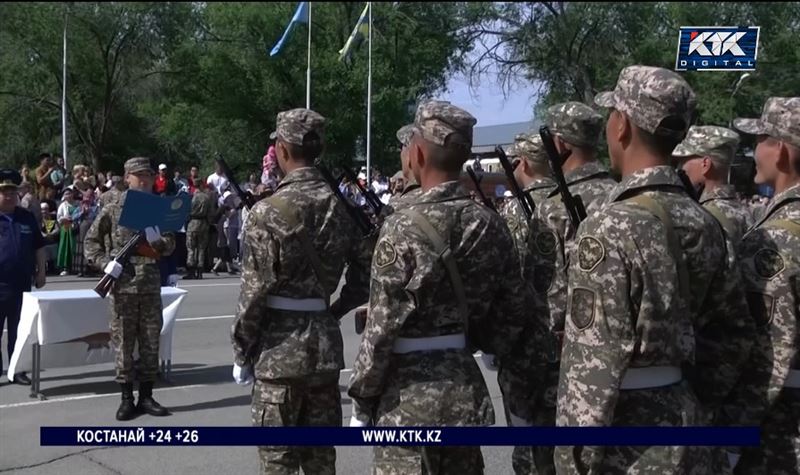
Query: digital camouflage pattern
[648,95]
[198,228]
[770,255]
[780,119]
[293,125]
[712,141]
[723,201]
[440,123]
[297,349]
[136,296]
[412,297]
[521,229]
[628,309]
[576,123]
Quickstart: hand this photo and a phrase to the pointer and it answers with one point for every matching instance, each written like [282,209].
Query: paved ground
[201,393]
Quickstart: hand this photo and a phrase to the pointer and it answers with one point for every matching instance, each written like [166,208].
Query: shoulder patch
[385,254]
[768,263]
[590,253]
[545,242]
[581,310]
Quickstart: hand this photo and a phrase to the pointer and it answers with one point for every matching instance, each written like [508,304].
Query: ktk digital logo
[717,48]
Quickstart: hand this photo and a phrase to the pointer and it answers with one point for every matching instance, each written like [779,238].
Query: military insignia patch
[581,310]
[761,306]
[542,278]
[385,254]
[590,253]
[545,242]
[768,263]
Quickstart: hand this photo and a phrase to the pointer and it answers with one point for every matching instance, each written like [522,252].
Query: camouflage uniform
[283,328]
[769,393]
[197,231]
[412,190]
[414,367]
[656,315]
[719,144]
[578,125]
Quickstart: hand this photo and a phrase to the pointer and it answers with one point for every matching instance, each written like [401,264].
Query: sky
[487,103]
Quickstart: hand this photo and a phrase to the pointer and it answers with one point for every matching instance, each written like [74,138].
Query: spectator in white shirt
[217,180]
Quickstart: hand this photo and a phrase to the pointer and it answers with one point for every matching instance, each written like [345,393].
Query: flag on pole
[300,16]
[357,36]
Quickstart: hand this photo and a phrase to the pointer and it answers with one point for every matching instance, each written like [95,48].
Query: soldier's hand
[114,269]
[243,375]
[153,234]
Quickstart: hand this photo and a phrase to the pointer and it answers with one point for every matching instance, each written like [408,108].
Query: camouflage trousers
[136,318]
[779,452]
[196,245]
[428,460]
[293,403]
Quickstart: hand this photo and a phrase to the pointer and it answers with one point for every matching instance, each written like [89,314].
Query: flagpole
[64,95]
[308,69]
[369,97]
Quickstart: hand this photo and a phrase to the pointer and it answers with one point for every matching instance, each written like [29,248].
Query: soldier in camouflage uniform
[768,393]
[136,296]
[284,335]
[656,323]
[113,194]
[412,189]
[706,155]
[197,231]
[429,309]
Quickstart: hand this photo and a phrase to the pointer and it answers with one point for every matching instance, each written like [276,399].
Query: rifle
[524,199]
[360,218]
[107,282]
[477,183]
[575,209]
[372,199]
[248,200]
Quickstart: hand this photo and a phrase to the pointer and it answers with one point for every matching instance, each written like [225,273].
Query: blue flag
[300,16]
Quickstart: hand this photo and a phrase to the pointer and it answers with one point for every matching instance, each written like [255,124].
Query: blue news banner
[408,436]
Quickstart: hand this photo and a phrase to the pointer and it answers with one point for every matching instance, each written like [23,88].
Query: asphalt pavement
[201,393]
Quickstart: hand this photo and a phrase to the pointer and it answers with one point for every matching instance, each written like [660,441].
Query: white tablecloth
[54,319]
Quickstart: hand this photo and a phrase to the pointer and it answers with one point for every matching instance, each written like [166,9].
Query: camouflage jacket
[412,297]
[293,344]
[627,307]
[202,213]
[517,223]
[722,201]
[770,256]
[140,275]
[109,196]
[410,193]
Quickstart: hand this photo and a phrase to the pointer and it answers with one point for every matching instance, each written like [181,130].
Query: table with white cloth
[65,328]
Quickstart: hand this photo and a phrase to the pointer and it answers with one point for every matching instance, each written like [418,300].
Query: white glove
[356,422]
[243,375]
[172,280]
[114,269]
[733,459]
[153,234]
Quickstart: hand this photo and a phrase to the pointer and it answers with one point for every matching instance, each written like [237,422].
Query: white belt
[793,380]
[651,377]
[444,342]
[297,305]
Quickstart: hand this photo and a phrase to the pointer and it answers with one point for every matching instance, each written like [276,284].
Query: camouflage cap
[779,119]
[404,134]
[531,148]
[441,122]
[138,164]
[709,141]
[648,95]
[293,125]
[576,123]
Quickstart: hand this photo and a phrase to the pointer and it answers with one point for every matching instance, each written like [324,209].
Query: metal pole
[308,69]
[369,98]
[64,96]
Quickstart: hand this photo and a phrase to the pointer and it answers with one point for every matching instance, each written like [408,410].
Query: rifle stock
[107,281]
[574,206]
[372,199]
[484,198]
[524,199]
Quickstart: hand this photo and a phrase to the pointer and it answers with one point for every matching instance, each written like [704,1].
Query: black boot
[147,404]
[190,274]
[126,409]
[198,273]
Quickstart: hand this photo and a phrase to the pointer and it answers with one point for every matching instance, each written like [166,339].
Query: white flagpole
[308,70]
[64,97]
[369,97]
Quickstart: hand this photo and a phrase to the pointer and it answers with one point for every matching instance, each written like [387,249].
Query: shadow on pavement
[227,402]
[106,373]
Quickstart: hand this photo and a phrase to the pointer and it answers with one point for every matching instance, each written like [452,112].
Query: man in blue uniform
[22,258]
